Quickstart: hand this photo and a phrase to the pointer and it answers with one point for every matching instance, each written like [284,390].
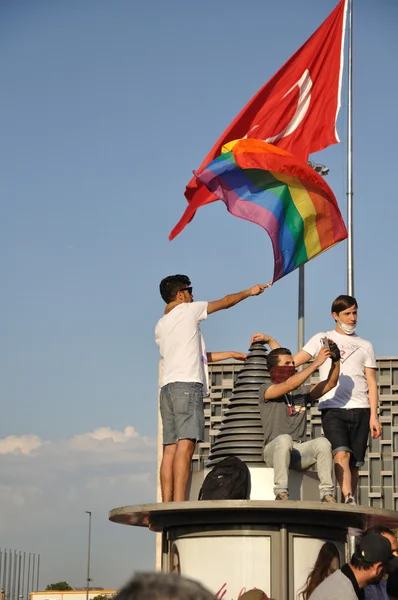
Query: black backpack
[228,480]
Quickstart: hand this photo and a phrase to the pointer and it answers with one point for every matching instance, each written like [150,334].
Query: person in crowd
[392,585]
[185,376]
[163,586]
[368,565]
[327,562]
[283,404]
[378,591]
[350,409]
[254,594]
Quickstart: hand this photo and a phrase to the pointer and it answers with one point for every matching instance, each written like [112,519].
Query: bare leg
[343,471]
[354,479]
[181,468]
[166,472]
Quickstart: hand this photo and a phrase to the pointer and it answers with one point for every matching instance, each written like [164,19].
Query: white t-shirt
[356,354]
[335,587]
[182,346]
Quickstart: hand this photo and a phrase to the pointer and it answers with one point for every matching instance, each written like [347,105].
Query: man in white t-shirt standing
[350,409]
[185,376]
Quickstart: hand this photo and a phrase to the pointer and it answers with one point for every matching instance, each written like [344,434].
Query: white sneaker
[349,499]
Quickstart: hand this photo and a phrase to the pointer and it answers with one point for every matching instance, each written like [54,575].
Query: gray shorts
[181,407]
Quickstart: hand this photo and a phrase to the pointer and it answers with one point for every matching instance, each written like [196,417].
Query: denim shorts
[347,429]
[181,408]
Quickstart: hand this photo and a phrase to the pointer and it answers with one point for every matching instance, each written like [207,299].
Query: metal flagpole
[301,307]
[23,575]
[9,573]
[38,572]
[32,587]
[14,575]
[88,512]
[5,571]
[19,576]
[28,579]
[350,245]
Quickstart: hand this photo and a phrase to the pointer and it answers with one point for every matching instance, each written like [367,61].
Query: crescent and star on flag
[304,85]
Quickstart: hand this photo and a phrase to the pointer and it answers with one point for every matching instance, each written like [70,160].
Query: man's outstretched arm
[233,299]
[217,356]
[279,389]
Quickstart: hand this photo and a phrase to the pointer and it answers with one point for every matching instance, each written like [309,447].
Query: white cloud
[24,444]
[105,433]
[47,485]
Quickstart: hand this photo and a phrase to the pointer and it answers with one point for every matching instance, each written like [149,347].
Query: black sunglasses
[187,289]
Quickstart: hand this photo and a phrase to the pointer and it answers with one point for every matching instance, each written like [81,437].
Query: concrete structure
[236,545]
[378,483]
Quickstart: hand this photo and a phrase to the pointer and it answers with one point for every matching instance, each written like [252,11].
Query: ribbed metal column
[241,432]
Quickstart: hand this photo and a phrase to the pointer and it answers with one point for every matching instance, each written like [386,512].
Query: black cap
[375,548]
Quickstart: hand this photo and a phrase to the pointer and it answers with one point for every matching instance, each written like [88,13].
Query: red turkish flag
[295,110]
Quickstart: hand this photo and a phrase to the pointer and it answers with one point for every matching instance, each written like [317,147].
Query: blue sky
[106,107]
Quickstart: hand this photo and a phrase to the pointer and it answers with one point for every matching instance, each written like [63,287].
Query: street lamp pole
[88,512]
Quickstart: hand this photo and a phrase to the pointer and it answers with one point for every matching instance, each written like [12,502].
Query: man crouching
[283,405]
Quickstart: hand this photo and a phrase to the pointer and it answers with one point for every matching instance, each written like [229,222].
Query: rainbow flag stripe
[266,185]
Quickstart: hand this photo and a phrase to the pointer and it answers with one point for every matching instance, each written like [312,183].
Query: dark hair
[171,285]
[360,564]
[392,584]
[343,302]
[380,530]
[163,586]
[273,356]
[320,571]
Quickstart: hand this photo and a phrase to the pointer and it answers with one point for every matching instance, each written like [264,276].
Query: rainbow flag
[266,185]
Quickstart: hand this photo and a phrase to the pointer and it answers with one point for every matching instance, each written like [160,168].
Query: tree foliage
[60,586]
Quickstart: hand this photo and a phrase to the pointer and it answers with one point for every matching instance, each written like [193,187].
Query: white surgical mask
[348,329]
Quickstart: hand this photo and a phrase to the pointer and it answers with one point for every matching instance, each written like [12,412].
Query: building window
[216,410]
[216,379]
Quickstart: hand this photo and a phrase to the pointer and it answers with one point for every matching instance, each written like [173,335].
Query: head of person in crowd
[163,586]
[327,562]
[280,365]
[345,313]
[392,585]
[254,594]
[176,288]
[372,559]
[387,533]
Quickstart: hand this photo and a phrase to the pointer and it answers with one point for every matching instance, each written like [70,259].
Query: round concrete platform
[160,516]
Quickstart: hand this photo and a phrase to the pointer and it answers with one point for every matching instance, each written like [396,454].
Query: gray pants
[282,453]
